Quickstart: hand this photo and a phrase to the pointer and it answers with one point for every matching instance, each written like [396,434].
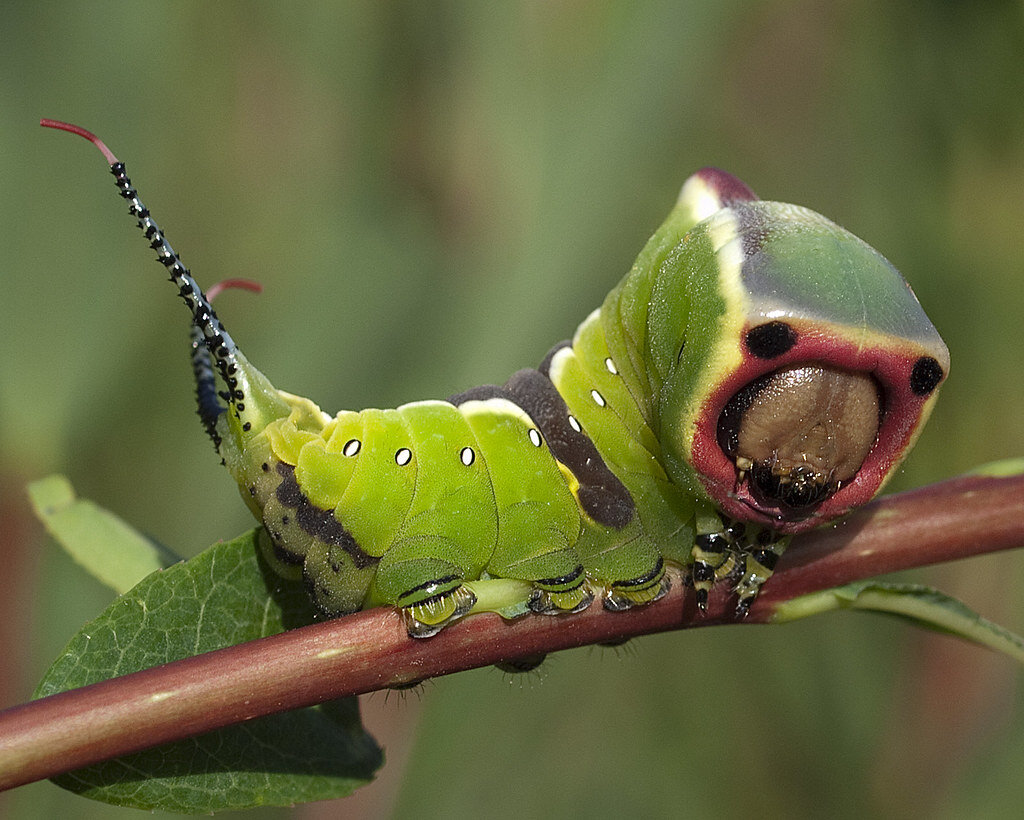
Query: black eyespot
[770,340]
[925,376]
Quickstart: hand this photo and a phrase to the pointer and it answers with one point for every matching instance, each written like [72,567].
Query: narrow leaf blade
[103,544]
[924,606]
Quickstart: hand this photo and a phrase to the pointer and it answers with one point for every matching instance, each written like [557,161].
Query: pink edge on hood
[901,415]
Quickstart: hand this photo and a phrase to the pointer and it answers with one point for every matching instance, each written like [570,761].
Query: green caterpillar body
[758,372]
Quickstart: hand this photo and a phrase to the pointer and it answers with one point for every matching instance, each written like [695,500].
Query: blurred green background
[434,193]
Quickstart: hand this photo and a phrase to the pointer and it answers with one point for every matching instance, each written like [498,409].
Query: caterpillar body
[758,372]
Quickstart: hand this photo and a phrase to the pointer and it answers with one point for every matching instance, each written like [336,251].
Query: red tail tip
[77,129]
[241,284]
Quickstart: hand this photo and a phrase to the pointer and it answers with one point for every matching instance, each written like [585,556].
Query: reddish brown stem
[370,650]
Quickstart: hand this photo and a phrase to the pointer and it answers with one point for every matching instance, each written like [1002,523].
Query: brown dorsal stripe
[545,365]
[603,497]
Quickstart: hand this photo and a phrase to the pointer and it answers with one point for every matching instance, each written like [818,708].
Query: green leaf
[104,545]
[223,596]
[922,605]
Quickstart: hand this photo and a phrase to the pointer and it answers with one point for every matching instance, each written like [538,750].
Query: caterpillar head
[806,367]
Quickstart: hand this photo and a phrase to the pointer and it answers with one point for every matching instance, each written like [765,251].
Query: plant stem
[370,650]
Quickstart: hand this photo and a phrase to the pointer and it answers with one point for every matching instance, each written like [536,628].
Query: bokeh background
[434,193]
